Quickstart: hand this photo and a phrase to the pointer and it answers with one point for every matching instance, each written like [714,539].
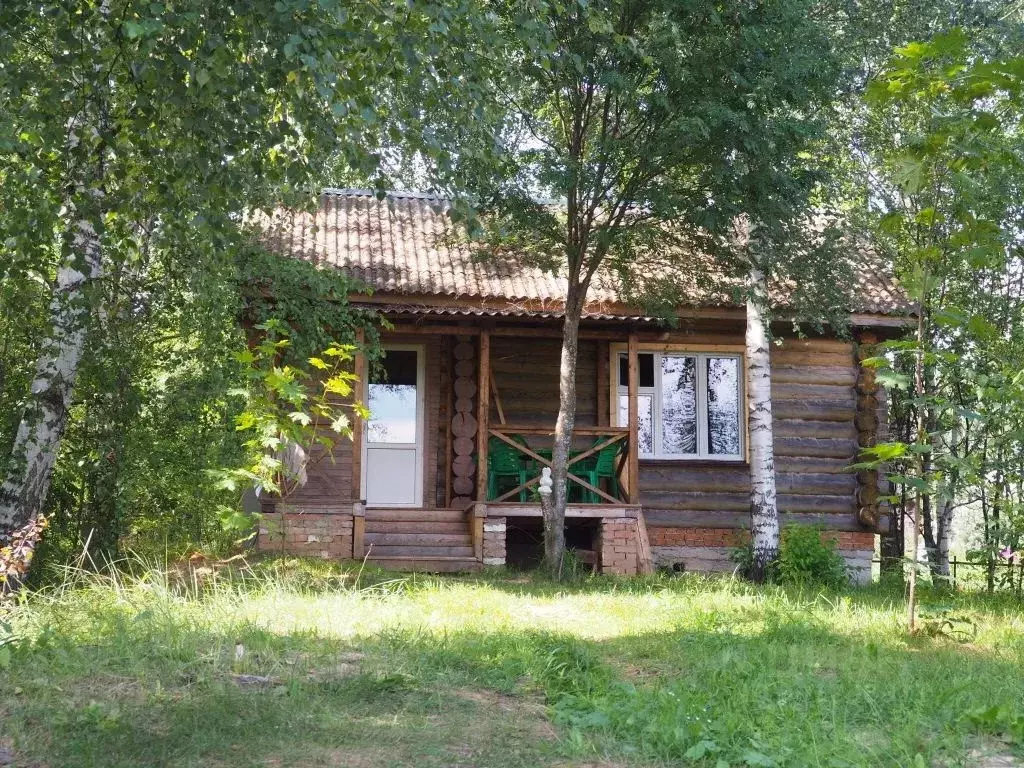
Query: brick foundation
[494,540]
[710,549]
[307,531]
[618,546]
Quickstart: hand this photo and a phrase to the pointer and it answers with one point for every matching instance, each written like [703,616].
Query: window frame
[701,354]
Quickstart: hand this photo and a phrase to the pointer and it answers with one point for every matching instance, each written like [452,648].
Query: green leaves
[288,415]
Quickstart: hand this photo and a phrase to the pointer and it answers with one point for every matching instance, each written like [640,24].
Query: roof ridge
[393,193]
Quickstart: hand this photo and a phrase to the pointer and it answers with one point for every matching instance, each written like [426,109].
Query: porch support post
[483,411]
[633,462]
[357,423]
[358,530]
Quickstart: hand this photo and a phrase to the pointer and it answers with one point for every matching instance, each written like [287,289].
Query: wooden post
[358,529]
[357,423]
[478,514]
[449,397]
[603,398]
[633,472]
[483,411]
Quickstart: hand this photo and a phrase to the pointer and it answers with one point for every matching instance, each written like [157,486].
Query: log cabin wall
[525,371]
[695,510]
[813,401]
[334,482]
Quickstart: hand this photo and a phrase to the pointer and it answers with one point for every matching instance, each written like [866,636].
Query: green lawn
[500,671]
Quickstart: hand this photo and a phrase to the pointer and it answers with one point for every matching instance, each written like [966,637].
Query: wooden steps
[433,565]
[426,540]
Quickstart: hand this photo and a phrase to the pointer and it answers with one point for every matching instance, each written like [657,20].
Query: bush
[805,559]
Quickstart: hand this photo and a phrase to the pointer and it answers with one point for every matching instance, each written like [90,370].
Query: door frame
[421,448]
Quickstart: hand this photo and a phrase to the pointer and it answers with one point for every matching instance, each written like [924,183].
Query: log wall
[526,375]
[814,404]
[331,482]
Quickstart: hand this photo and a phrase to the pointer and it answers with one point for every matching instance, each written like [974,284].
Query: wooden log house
[443,476]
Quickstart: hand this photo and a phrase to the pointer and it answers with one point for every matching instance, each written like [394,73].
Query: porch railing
[601,439]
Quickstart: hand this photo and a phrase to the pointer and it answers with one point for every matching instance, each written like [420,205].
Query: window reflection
[679,404]
[392,399]
[723,406]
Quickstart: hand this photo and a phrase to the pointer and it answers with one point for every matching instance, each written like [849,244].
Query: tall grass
[147,661]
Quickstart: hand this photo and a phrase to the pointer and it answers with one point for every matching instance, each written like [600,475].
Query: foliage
[632,671]
[627,138]
[807,558]
[948,173]
[311,305]
[154,422]
[16,558]
[292,415]
[156,127]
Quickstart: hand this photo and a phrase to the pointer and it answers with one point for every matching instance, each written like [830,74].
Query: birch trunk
[764,511]
[919,464]
[42,425]
[554,514]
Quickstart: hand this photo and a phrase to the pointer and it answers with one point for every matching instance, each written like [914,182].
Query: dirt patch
[10,759]
[529,710]
[634,672]
[339,758]
[978,759]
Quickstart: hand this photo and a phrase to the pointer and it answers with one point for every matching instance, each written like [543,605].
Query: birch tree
[764,509]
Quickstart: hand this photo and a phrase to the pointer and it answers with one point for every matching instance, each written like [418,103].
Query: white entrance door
[393,443]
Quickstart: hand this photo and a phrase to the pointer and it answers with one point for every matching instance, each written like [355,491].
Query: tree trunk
[42,425]
[764,512]
[928,526]
[920,438]
[554,514]
[943,534]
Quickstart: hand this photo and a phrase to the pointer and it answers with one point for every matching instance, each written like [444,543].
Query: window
[689,404]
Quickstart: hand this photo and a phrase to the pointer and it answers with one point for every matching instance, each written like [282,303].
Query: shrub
[805,558]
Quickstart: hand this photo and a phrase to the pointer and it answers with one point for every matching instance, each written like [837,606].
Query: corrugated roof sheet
[405,244]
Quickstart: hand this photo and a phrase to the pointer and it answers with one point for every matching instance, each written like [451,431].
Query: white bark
[42,425]
[764,511]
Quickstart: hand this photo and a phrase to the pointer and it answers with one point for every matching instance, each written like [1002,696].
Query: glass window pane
[645,372]
[392,399]
[679,404]
[723,406]
[645,419]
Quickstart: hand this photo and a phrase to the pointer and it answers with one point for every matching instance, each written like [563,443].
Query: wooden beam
[477,514]
[360,370]
[497,400]
[483,413]
[603,401]
[693,518]
[645,561]
[449,395]
[358,530]
[633,461]
[513,509]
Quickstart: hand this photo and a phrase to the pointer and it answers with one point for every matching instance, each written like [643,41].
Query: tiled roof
[406,245]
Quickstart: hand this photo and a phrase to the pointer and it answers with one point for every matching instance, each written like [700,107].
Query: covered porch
[485,401]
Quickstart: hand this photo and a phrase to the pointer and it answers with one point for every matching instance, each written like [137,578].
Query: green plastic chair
[504,461]
[593,468]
